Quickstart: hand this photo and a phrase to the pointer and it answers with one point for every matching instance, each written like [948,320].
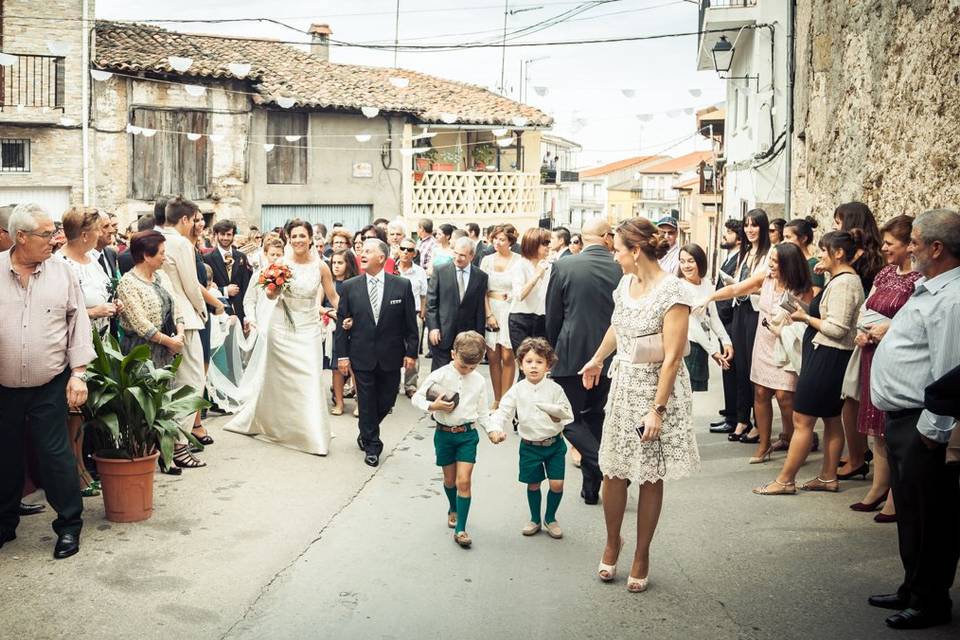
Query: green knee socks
[451,497]
[534,498]
[553,501]
[463,510]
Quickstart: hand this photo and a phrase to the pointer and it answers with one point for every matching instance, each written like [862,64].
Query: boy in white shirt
[455,439]
[542,411]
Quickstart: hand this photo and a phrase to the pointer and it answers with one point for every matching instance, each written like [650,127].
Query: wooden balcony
[473,196]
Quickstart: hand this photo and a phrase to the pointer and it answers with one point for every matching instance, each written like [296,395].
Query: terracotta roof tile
[679,165]
[283,70]
[615,166]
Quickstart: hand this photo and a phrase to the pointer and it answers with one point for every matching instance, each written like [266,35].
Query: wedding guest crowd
[849,328]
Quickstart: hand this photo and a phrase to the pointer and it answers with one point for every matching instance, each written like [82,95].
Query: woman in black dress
[827,345]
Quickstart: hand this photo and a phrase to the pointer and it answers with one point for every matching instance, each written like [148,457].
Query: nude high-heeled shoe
[637,585]
[609,569]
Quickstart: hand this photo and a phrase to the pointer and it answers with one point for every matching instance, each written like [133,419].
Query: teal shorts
[537,463]
[455,447]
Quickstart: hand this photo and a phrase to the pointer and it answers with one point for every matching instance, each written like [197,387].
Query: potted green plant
[483,155]
[448,160]
[135,414]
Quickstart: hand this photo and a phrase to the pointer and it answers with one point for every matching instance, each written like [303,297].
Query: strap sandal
[776,488]
[607,572]
[463,539]
[819,484]
[186,460]
[203,439]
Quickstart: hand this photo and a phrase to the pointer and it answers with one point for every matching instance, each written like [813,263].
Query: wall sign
[362,170]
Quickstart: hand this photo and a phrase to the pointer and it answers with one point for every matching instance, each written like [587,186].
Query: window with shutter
[287,162]
[168,163]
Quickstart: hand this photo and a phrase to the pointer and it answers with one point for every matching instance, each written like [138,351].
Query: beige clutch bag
[649,349]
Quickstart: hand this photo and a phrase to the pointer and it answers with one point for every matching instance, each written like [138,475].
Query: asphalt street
[272,543]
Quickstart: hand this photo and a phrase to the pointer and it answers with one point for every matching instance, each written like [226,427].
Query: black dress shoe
[371,460]
[7,536]
[719,422]
[889,601]
[68,544]
[590,497]
[360,443]
[918,619]
[31,509]
[722,427]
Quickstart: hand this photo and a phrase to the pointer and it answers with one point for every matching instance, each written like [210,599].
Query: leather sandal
[782,489]
[204,439]
[186,460]
[819,484]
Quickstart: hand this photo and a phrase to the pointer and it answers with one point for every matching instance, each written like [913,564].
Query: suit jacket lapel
[220,266]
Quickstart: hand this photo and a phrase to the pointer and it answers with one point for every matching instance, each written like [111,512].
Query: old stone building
[877,107]
[43,91]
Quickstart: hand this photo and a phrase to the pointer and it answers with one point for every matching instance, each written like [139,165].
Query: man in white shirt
[669,228]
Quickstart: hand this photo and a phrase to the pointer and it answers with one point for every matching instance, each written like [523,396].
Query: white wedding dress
[281,394]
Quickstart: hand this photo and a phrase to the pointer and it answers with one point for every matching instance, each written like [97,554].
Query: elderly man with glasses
[45,346]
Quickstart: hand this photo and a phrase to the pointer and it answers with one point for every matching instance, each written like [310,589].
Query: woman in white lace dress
[289,407]
[500,267]
[650,388]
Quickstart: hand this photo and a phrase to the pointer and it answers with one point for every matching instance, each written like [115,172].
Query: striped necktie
[374,290]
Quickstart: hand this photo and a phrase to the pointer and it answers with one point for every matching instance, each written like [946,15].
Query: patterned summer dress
[632,391]
[891,290]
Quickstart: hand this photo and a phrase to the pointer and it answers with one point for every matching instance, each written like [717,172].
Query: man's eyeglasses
[46,235]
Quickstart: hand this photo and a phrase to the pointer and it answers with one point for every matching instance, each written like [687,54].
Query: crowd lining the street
[612,331]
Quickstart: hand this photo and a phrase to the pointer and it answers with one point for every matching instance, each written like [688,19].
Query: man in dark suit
[455,302]
[579,306]
[381,338]
[731,243]
[231,271]
[560,243]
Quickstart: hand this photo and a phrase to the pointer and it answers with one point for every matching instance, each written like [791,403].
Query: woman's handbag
[851,379]
[648,349]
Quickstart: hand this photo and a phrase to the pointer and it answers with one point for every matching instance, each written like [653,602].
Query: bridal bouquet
[277,277]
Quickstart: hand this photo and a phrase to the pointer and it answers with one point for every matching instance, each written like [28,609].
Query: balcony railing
[720,4]
[476,194]
[554,176]
[33,81]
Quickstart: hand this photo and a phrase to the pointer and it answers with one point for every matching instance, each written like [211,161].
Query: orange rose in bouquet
[277,277]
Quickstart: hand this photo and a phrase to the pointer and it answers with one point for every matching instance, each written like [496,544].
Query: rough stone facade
[56,157]
[877,108]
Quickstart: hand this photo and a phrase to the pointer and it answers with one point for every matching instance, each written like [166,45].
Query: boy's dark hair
[470,347]
[540,347]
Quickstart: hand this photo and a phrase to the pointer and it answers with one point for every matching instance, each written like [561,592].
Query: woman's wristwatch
[660,409]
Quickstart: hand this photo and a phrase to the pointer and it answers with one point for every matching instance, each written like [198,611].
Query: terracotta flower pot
[127,487]
[443,166]
[423,164]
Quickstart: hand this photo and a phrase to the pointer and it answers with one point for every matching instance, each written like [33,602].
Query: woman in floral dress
[648,390]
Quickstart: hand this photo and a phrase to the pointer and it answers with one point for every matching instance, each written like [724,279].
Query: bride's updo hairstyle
[640,232]
[297,222]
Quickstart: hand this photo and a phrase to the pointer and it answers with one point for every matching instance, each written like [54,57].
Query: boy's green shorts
[455,447]
[537,463]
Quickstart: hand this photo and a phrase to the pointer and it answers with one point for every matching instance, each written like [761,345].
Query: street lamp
[723,52]
[525,71]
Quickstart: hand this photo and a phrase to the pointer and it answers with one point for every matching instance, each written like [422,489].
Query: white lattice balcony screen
[474,193]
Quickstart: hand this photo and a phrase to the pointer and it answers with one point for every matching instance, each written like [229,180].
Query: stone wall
[877,106]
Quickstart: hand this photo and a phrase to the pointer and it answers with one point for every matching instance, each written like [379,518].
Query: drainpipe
[85,97]
[788,148]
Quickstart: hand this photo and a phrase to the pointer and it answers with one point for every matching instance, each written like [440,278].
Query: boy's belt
[541,443]
[460,428]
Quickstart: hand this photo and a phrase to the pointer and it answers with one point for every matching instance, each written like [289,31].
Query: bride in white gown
[282,388]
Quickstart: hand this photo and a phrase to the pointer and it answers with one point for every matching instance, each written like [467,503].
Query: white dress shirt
[671,262]
[466,275]
[473,406]
[418,281]
[533,423]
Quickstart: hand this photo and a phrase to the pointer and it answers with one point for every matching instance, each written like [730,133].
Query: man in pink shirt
[45,346]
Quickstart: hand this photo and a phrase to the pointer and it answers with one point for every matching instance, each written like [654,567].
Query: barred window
[14,155]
